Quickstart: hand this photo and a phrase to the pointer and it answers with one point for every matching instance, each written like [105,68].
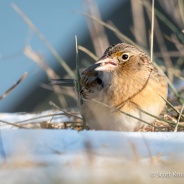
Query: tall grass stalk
[78,84]
[152,29]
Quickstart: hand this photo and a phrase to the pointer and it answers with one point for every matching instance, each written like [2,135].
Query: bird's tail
[63,82]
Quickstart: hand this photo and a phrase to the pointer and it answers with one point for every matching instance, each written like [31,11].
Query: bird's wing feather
[89,76]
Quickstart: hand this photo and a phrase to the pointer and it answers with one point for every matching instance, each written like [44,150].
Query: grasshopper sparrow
[123,81]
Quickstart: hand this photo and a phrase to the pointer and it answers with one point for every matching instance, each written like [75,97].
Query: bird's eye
[125,57]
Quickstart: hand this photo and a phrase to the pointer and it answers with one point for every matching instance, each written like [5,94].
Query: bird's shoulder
[91,80]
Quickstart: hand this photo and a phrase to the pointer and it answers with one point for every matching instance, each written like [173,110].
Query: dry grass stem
[14,86]
[97,32]
[152,28]
[176,127]
[116,31]
[49,71]
[139,26]
[64,112]
[89,53]
[78,85]
[163,48]
[13,124]
[44,40]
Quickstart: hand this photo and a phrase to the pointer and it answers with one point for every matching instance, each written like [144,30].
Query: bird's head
[120,56]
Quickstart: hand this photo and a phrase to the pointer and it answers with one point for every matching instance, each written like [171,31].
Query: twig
[15,85]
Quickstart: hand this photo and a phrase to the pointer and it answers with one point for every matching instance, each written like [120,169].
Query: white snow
[68,156]
[33,118]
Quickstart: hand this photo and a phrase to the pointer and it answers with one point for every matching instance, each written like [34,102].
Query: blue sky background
[59,24]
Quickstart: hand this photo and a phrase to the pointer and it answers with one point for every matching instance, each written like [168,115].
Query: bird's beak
[106,64]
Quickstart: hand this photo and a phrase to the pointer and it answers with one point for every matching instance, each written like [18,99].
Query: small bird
[119,87]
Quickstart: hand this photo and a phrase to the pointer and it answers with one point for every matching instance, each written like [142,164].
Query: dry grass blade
[116,31]
[176,127]
[64,112]
[15,85]
[49,71]
[78,85]
[158,118]
[181,100]
[136,155]
[13,124]
[170,53]
[178,44]
[170,85]
[152,28]
[50,115]
[174,8]
[182,78]
[148,149]
[181,8]
[139,27]
[31,54]
[166,21]
[44,40]
[67,92]
[89,53]
[97,32]
[168,103]
[164,53]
